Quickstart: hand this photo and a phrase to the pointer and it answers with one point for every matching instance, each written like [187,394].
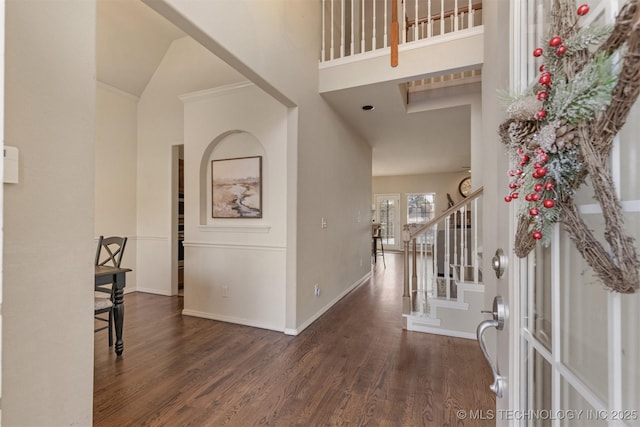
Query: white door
[496,215]
[388,215]
[570,350]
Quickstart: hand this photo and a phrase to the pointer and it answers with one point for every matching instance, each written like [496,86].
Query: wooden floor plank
[355,366]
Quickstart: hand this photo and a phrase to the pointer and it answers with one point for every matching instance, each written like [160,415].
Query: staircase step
[448,303]
[425,324]
[470,287]
[419,320]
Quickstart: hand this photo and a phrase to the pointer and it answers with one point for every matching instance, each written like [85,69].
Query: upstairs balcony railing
[442,255]
[356,27]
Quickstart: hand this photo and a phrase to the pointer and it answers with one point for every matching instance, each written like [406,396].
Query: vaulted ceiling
[132,39]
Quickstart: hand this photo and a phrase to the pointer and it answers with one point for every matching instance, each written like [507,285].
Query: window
[420,207]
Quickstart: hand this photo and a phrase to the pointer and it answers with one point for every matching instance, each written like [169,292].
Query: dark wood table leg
[118,311]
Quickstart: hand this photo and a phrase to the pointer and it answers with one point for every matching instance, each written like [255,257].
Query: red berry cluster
[545,78]
[543,194]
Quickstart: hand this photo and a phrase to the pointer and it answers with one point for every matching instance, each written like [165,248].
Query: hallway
[354,366]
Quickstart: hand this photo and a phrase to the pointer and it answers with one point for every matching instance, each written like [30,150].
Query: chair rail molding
[236,228]
[216,245]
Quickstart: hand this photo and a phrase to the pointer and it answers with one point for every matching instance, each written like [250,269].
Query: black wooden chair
[376,235]
[109,253]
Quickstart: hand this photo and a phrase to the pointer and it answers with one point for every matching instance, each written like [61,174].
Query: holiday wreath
[560,132]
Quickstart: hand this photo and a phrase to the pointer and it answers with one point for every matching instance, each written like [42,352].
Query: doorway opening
[177,269]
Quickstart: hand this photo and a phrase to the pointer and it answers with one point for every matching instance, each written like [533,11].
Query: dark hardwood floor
[355,366]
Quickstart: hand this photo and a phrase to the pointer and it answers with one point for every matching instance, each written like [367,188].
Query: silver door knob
[499,262]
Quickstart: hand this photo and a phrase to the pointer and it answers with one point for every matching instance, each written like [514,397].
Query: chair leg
[110,327]
[382,248]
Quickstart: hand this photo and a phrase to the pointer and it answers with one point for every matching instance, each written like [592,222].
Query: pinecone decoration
[522,132]
[566,137]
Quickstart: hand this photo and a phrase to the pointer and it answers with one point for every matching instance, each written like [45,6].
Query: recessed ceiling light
[368,107]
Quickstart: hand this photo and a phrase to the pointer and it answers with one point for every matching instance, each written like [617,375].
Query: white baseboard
[152,291]
[231,319]
[324,309]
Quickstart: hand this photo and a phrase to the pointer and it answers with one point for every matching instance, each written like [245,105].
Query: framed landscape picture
[236,187]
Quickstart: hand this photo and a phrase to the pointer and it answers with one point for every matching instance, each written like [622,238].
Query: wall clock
[464,188]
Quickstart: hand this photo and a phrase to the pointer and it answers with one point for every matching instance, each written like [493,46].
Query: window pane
[542,296]
[631,337]
[387,210]
[584,307]
[420,208]
[582,412]
[630,156]
[536,396]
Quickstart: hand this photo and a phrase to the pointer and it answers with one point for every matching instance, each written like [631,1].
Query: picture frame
[236,187]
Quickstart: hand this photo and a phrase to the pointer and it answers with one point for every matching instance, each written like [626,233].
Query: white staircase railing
[352,27]
[442,257]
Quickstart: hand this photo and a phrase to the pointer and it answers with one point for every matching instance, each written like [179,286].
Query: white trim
[583,389]
[517,75]
[565,372]
[324,309]
[595,209]
[615,357]
[214,245]
[469,287]
[556,334]
[537,345]
[214,92]
[150,238]
[442,84]
[418,319]
[386,51]
[231,319]
[152,291]
[117,91]
[236,228]
[448,303]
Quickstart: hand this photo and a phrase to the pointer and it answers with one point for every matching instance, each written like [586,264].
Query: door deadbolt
[499,263]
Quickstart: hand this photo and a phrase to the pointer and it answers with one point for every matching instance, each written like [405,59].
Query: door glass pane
[578,409]
[542,296]
[584,307]
[538,393]
[388,215]
[631,338]
[630,156]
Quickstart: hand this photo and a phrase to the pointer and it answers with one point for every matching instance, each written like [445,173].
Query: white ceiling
[132,39]
[428,140]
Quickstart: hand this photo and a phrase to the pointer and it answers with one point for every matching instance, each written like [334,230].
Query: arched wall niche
[228,145]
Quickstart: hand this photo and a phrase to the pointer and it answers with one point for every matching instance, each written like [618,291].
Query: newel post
[406,294]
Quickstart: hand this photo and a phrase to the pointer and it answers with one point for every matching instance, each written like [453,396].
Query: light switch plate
[10,165]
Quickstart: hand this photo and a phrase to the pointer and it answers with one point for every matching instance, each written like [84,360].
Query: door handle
[497,322]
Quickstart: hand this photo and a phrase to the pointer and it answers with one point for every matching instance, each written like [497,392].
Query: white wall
[115,170]
[2,6]
[328,164]
[235,269]
[186,67]
[47,360]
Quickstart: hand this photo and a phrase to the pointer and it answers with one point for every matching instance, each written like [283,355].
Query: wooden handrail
[474,7]
[414,233]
